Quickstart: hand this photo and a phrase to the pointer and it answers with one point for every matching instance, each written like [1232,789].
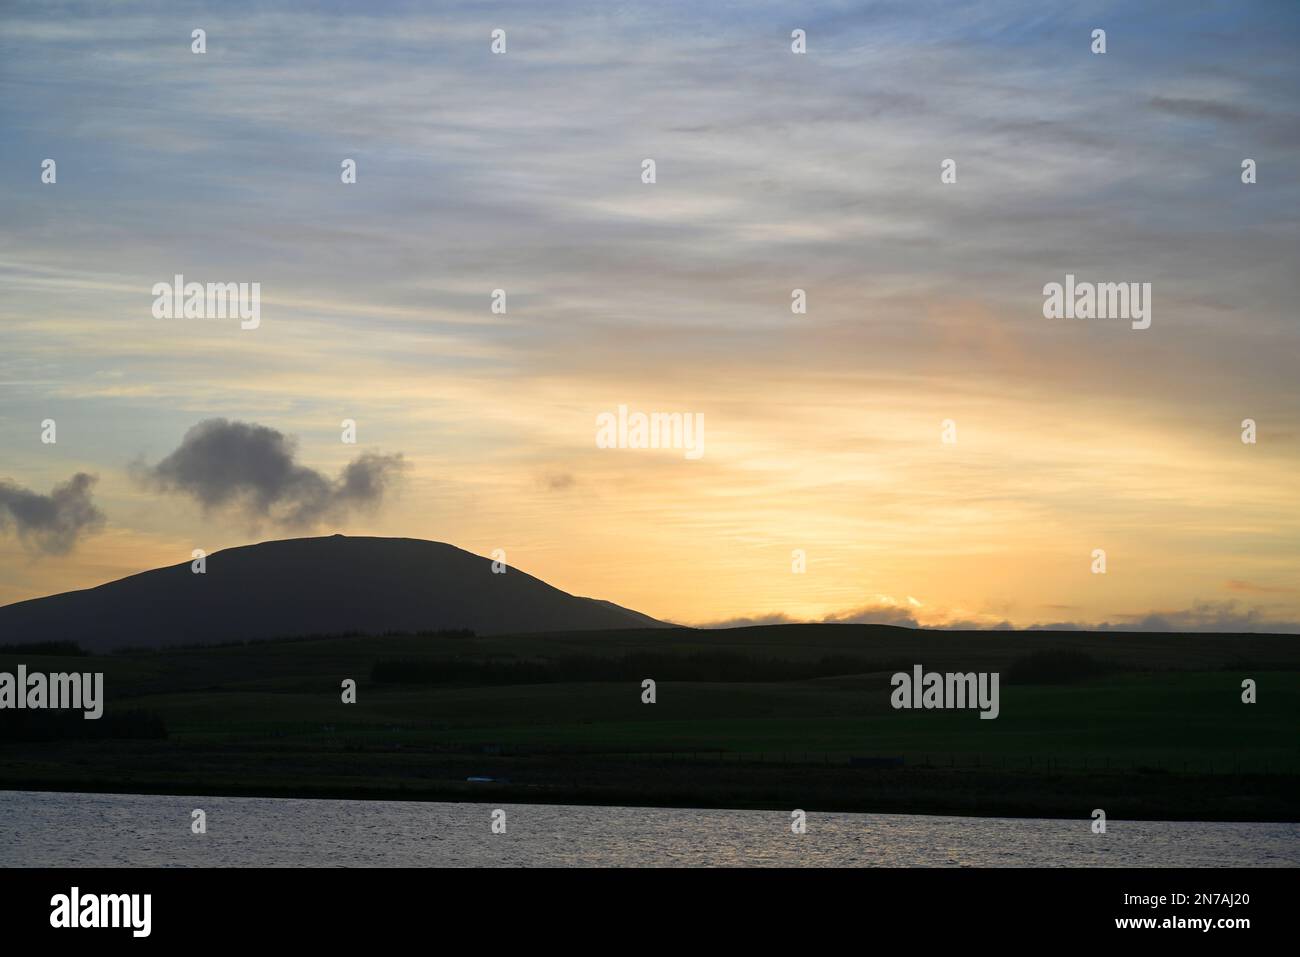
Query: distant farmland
[1152,724]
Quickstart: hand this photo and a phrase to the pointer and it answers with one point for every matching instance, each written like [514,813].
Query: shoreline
[487,793]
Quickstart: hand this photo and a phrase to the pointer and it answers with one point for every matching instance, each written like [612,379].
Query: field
[1159,730]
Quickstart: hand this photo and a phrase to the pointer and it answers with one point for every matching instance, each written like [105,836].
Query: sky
[828,432]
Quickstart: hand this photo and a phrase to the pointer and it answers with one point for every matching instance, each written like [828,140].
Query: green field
[1162,733]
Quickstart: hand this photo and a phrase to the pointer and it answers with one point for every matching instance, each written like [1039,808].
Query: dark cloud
[1224,616]
[52,523]
[253,469]
[1202,109]
[559,481]
[1278,128]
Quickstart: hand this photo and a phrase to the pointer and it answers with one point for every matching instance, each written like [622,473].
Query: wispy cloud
[1234,584]
[775,171]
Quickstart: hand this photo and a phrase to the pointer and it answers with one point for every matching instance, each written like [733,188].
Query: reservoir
[54,829]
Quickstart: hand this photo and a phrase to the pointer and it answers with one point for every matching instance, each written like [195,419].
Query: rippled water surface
[79,830]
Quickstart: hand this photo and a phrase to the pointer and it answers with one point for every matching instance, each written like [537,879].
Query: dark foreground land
[1142,725]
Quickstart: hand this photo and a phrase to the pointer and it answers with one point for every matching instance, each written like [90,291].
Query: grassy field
[1163,733]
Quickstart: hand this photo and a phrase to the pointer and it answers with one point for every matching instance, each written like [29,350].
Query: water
[112,830]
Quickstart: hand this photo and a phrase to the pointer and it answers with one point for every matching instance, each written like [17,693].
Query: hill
[305,586]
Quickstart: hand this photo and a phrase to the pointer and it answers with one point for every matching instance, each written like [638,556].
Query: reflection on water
[98,830]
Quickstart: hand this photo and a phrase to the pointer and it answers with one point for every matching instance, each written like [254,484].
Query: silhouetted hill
[305,586]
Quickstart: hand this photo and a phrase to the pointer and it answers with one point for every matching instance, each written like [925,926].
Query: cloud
[1224,616]
[1218,617]
[52,523]
[253,469]
[1201,109]
[875,614]
[776,618]
[1221,617]
[775,171]
[1236,584]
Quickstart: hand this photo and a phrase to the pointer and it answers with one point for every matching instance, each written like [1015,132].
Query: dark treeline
[138,650]
[1060,666]
[64,649]
[701,666]
[1045,667]
[44,725]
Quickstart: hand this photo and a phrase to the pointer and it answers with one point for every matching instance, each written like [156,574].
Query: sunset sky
[775,171]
